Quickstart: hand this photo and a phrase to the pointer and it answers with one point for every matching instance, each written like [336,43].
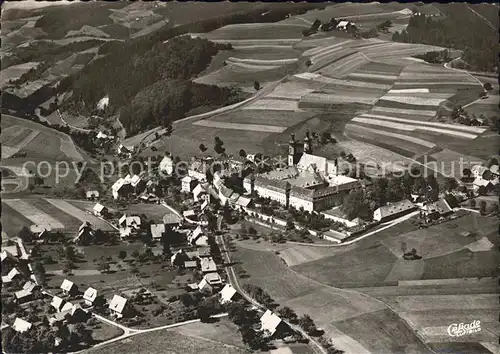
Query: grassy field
[256,31]
[154,212]
[158,341]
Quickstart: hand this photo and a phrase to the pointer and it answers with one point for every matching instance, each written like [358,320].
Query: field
[53,213]
[41,142]
[154,212]
[329,307]
[158,341]
[14,72]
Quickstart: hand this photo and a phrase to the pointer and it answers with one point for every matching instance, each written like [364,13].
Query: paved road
[233,280]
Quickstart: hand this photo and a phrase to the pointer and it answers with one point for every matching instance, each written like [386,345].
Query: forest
[480,46]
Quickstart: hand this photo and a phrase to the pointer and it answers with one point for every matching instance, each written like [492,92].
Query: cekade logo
[461,329]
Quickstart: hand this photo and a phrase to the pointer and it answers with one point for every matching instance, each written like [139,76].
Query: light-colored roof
[187,179]
[157,230]
[22,294]
[21,325]
[39,229]
[213,278]
[57,303]
[270,322]
[98,207]
[208,264]
[68,306]
[195,234]
[243,201]
[90,294]
[227,293]
[84,225]
[204,205]
[135,180]
[29,285]
[308,161]
[12,250]
[395,208]
[125,231]
[494,169]
[67,285]
[190,264]
[280,173]
[343,23]
[198,190]
[481,182]
[170,219]
[90,194]
[118,303]
[188,213]
[13,273]
[204,285]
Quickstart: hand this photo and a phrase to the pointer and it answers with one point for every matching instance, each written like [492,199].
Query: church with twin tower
[296,149]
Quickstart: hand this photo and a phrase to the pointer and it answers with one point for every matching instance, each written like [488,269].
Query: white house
[68,287]
[92,195]
[172,220]
[200,193]
[478,171]
[57,303]
[125,151]
[270,322]
[208,265]
[157,231]
[344,25]
[125,232]
[89,296]
[133,222]
[188,184]
[13,273]
[227,294]
[99,210]
[209,281]
[21,325]
[198,238]
[166,165]
[118,306]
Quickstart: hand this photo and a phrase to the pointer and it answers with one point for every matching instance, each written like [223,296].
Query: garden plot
[79,214]
[238,126]
[282,119]
[32,213]
[273,105]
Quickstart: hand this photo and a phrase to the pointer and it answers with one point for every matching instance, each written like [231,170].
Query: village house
[125,232]
[344,25]
[190,264]
[478,171]
[74,312]
[133,222]
[157,231]
[137,183]
[8,260]
[125,151]
[271,323]
[92,195]
[57,303]
[198,238]
[228,294]
[30,286]
[435,210]
[21,325]
[209,282]
[197,170]
[188,184]
[200,193]
[11,275]
[22,296]
[172,220]
[85,233]
[276,190]
[208,265]
[393,210]
[119,306]
[482,186]
[69,288]
[149,198]
[100,210]
[122,187]
[187,214]
[90,295]
[41,233]
[179,257]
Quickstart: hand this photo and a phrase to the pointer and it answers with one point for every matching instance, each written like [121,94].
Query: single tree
[202,148]
[472,203]
[122,254]
[482,207]
[307,324]
[243,153]
[256,85]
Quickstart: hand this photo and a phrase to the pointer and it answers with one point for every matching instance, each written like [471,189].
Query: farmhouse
[91,195]
[134,222]
[344,25]
[30,286]
[179,257]
[157,231]
[85,233]
[125,151]
[393,210]
[228,294]
[13,273]
[271,323]
[208,265]
[125,232]
[188,184]
[209,282]
[75,312]
[68,287]
[23,296]
[478,171]
[57,303]
[190,264]
[197,170]
[90,295]
[200,193]
[21,325]
[479,185]
[198,238]
[225,194]
[122,187]
[99,210]
[433,211]
[118,306]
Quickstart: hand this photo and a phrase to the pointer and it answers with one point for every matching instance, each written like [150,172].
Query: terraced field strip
[346,65]
[264,46]
[12,135]
[283,119]
[333,81]
[79,214]
[258,42]
[319,52]
[291,90]
[418,141]
[317,44]
[257,30]
[262,61]
[328,59]
[270,104]
[238,126]
[69,221]
[34,214]
[381,67]
[416,90]
[363,75]
[413,100]
[320,98]
[436,76]
[254,66]
[405,113]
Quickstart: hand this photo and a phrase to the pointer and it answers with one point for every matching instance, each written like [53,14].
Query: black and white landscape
[194,177]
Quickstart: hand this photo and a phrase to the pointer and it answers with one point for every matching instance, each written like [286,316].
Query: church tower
[308,144]
[292,150]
